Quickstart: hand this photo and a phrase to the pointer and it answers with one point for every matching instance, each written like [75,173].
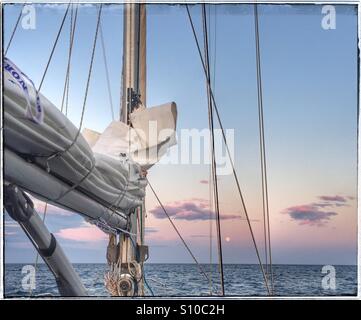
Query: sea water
[187,280]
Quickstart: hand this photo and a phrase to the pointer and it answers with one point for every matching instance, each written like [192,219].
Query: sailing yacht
[101,176]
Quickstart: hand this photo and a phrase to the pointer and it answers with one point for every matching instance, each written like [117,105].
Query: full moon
[228,239]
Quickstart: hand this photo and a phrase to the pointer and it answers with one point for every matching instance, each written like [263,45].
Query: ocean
[186,280]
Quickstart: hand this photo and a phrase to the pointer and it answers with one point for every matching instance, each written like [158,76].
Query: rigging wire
[229,154]
[215,49]
[67,77]
[210,196]
[85,95]
[178,233]
[54,46]
[106,71]
[15,28]
[214,164]
[148,286]
[71,36]
[37,252]
[214,56]
[262,143]
[261,139]
[48,63]
[210,190]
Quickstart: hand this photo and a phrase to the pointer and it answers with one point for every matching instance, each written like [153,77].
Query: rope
[214,42]
[261,136]
[57,154]
[210,189]
[67,77]
[210,231]
[107,72]
[54,46]
[228,152]
[37,253]
[214,164]
[15,28]
[74,186]
[83,112]
[122,193]
[148,286]
[265,203]
[215,48]
[178,233]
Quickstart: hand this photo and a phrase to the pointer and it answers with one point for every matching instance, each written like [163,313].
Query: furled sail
[46,155]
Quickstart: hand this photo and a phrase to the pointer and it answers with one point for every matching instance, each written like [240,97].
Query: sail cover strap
[19,76]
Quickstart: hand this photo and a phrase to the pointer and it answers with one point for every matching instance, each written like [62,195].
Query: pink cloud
[333,198]
[193,209]
[83,233]
[309,214]
[315,214]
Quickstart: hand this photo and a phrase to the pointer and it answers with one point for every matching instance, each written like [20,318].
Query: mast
[133,95]
[134,58]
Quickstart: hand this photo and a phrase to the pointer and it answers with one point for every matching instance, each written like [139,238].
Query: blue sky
[310,104]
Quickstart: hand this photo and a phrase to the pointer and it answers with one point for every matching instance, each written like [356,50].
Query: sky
[309,80]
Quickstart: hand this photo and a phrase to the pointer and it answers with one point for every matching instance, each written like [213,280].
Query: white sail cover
[148,139]
[35,130]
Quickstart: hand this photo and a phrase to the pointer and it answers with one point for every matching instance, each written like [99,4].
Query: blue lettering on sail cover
[18,76]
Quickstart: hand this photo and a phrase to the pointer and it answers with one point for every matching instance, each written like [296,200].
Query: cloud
[332,201]
[151,230]
[309,214]
[330,204]
[84,233]
[322,205]
[190,210]
[333,198]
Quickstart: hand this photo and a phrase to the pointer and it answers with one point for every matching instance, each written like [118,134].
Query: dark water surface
[186,280]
